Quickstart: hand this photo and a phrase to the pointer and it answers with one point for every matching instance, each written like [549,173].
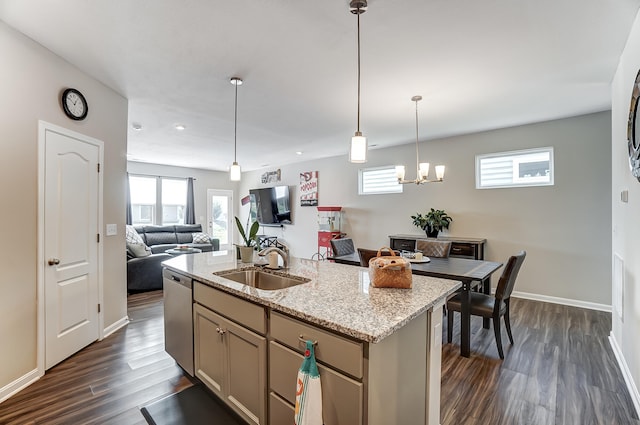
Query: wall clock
[633,130]
[74,104]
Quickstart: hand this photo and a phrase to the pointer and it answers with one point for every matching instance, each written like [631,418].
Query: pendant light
[234,170]
[358,150]
[422,168]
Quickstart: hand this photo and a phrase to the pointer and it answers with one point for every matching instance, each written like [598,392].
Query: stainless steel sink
[263,280]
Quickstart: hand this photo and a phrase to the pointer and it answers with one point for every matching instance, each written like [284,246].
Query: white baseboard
[626,373]
[19,384]
[563,301]
[31,377]
[115,326]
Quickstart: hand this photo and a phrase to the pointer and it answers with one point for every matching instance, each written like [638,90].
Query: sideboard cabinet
[460,247]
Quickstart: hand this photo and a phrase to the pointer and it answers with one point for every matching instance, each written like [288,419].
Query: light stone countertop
[338,296]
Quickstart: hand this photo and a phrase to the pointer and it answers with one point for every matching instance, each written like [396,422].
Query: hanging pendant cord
[235,129]
[417,158]
[358,68]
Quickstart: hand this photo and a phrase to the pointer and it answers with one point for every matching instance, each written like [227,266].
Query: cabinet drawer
[342,397]
[240,311]
[463,249]
[403,244]
[334,350]
[280,412]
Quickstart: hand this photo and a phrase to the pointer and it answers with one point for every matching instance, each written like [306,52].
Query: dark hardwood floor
[107,382]
[561,370]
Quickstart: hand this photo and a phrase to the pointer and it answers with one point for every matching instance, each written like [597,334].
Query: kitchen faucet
[284,253]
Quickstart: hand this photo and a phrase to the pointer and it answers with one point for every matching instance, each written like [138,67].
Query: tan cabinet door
[232,361]
[210,349]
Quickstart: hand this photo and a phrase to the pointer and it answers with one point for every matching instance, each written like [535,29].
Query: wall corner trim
[626,373]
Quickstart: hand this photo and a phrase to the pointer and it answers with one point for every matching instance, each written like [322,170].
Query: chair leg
[507,322]
[496,330]
[449,326]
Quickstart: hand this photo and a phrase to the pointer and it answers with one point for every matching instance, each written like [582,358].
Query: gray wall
[626,227]
[564,228]
[31,81]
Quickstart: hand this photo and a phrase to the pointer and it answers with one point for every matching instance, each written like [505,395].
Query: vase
[431,233]
[246,254]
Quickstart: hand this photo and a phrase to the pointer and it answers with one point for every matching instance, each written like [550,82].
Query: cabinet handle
[175,279]
[221,331]
[303,340]
[53,261]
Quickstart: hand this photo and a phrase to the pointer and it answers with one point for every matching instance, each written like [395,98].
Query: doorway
[69,248]
[220,216]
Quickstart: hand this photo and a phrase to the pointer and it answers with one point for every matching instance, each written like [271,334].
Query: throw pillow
[132,236]
[139,249]
[200,238]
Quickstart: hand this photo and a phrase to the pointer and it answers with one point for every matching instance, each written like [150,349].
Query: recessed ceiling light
[299,153]
[180,127]
[136,126]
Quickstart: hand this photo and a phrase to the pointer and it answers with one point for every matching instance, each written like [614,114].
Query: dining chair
[367,254]
[491,306]
[440,249]
[342,246]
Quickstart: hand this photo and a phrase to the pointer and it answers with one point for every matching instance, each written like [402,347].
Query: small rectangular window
[378,180]
[531,167]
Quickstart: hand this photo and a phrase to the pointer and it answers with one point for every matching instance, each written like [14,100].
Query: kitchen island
[378,348]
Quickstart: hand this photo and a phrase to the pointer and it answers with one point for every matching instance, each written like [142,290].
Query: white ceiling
[479,65]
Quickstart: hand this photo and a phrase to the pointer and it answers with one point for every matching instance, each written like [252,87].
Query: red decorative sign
[309,189]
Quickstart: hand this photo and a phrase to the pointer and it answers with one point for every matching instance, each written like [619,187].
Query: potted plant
[250,240]
[432,222]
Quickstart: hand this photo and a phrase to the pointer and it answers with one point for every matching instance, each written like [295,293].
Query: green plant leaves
[253,232]
[435,220]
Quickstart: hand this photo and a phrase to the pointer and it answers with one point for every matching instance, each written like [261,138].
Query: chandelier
[422,168]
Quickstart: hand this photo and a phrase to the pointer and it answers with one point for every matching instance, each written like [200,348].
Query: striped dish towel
[308,391]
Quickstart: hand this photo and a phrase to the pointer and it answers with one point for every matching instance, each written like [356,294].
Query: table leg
[465,320]
[486,288]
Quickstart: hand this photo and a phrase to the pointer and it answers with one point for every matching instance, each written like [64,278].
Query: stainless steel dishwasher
[178,318]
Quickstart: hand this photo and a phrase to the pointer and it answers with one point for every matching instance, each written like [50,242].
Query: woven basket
[390,271]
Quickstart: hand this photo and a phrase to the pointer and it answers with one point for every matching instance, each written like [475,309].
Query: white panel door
[71,221]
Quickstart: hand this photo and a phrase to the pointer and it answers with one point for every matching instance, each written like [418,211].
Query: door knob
[53,261]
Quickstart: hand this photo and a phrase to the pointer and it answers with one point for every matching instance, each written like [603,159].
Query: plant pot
[431,233]
[246,254]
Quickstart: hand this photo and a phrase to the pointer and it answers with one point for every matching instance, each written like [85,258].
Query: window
[531,167]
[157,200]
[378,180]
[143,199]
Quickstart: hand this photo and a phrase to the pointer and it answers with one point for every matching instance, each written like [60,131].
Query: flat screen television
[271,205]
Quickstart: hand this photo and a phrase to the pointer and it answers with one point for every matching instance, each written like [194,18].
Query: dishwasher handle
[180,280]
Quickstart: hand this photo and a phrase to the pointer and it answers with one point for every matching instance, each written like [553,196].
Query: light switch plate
[624,196]
[112,229]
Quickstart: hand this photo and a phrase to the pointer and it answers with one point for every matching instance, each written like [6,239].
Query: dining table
[469,272]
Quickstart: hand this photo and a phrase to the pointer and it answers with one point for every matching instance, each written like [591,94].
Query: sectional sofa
[146,251]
